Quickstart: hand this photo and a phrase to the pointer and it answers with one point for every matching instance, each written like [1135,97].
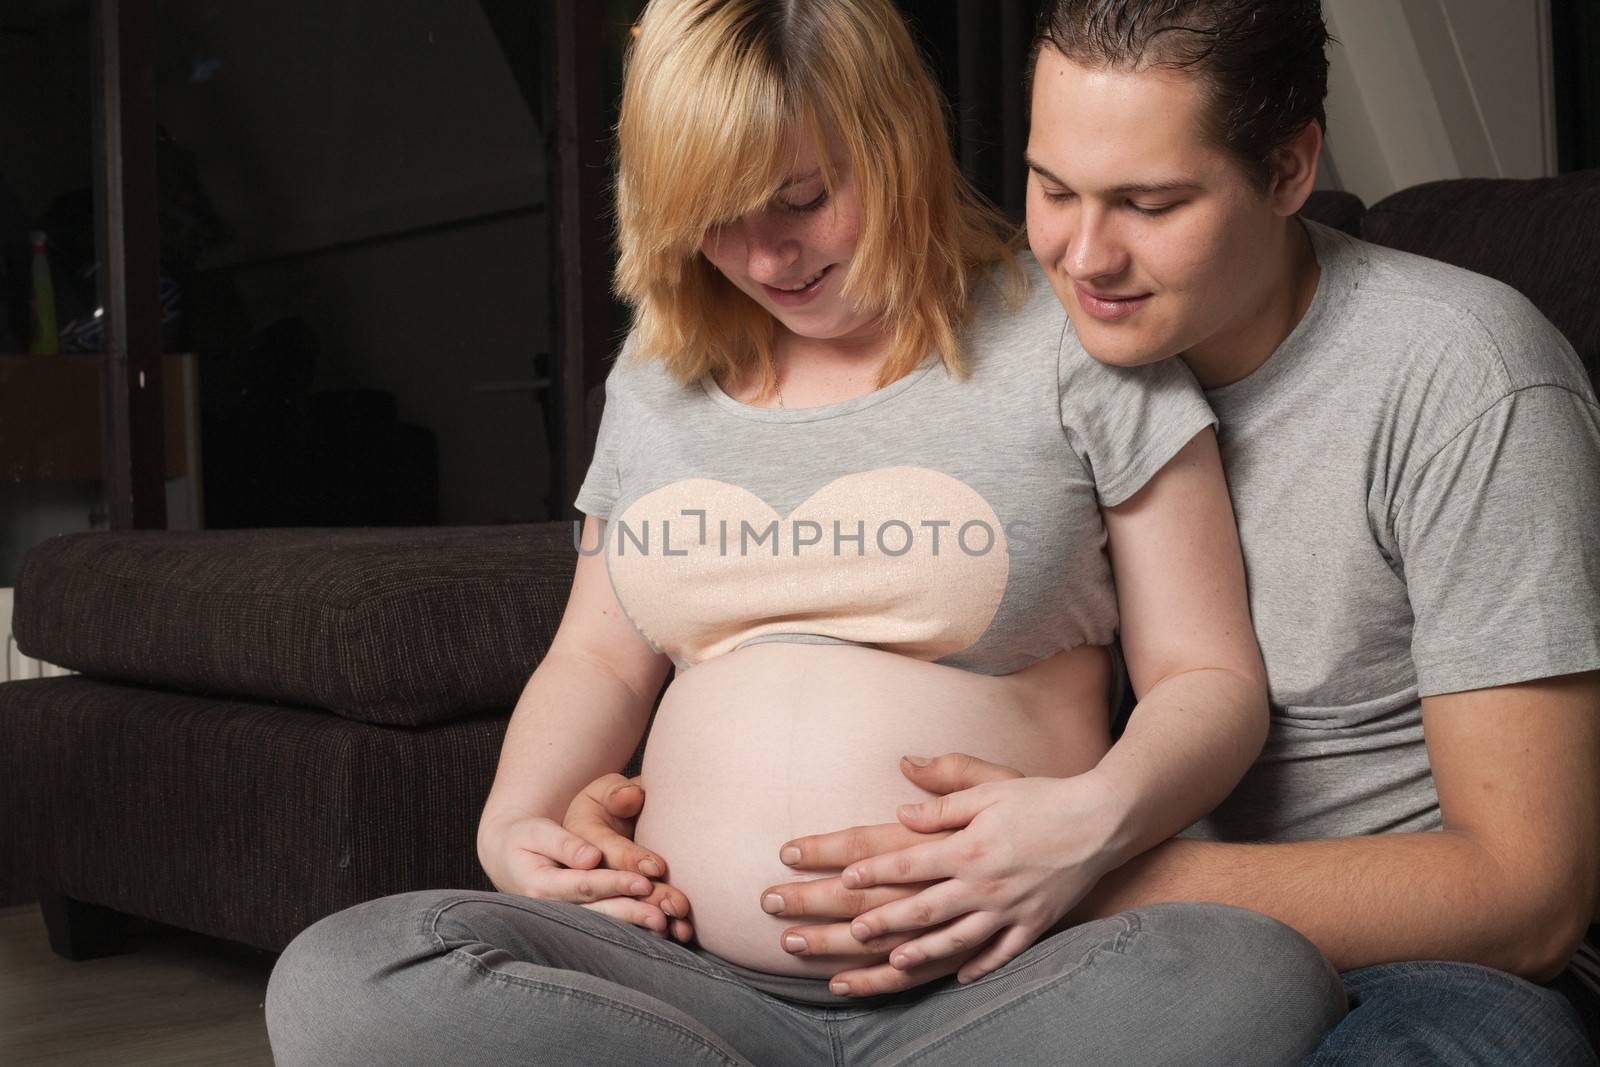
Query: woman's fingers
[939,901]
[544,838]
[883,978]
[582,887]
[970,931]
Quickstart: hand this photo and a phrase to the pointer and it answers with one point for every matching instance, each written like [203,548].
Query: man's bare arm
[1510,882]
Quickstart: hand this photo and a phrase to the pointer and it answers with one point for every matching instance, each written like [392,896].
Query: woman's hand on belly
[1023,852]
[603,814]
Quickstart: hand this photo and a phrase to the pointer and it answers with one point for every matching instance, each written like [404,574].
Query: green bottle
[45,340]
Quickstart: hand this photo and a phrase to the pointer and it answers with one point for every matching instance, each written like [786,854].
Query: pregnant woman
[858,486]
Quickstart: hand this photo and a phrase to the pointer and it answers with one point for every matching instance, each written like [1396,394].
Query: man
[1414,458]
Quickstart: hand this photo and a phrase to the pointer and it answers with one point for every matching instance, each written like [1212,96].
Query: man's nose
[1097,249]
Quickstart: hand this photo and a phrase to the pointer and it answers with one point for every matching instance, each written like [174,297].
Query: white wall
[1422,90]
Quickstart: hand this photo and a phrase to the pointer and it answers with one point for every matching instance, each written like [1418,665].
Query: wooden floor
[177,1000]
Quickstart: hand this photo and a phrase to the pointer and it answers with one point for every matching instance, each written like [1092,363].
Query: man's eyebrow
[1171,185]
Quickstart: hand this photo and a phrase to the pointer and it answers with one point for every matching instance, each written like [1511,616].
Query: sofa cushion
[398,627]
[1537,235]
[239,820]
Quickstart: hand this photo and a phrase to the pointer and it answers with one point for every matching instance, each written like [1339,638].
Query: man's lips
[1108,306]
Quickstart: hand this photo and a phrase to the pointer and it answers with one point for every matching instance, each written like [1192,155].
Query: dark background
[359,226]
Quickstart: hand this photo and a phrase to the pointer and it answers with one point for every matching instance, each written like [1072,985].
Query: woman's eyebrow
[802,179]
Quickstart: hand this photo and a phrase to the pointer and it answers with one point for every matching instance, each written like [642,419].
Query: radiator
[15,666]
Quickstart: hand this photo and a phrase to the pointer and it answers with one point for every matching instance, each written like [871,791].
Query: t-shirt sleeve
[602,484]
[1500,546]
[1125,423]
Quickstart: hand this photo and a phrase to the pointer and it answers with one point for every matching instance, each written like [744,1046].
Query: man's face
[1153,238]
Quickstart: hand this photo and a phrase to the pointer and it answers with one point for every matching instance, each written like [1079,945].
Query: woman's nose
[772,249]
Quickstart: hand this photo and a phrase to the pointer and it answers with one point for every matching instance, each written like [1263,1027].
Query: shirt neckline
[1333,250]
[823,411]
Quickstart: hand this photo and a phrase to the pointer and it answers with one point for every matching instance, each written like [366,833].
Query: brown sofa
[272,725]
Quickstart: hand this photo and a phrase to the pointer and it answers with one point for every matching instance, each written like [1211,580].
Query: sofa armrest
[393,626]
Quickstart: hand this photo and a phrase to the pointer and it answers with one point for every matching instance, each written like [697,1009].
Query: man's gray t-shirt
[953,520]
[1415,472]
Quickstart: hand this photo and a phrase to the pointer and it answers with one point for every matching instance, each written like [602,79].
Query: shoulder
[1015,311]
[638,376]
[1469,330]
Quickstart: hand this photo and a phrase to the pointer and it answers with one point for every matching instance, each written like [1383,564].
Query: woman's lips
[1109,308]
[790,298]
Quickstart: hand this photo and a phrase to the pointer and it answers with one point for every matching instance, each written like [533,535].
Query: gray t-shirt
[956,521]
[1415,472]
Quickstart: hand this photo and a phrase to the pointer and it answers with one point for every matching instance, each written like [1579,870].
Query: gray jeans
[444,977]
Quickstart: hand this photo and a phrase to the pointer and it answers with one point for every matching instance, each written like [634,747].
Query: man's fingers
[588,818]
[834,939]
[670,899]
[827,898]
[955,771]
[635,912]
[870,981]
[625,799]
[842,847]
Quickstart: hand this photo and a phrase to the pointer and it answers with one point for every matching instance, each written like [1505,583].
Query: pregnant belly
[781,739]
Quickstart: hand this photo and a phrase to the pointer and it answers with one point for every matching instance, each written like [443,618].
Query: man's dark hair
[1263,62]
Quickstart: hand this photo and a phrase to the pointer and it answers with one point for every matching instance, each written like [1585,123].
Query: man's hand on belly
[1012,872]
[603,814]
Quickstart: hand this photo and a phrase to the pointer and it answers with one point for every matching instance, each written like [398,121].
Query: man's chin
[1119,347]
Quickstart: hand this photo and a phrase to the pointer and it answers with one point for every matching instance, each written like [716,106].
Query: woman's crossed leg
[441,977]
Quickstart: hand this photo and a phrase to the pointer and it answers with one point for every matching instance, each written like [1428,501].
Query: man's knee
[1451,1012]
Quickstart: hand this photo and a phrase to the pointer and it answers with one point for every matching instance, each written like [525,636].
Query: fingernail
[851,879]
[650,867]
[918,761]
[900,961]
[911,810]
[641,887]
[840,988]
[860,932]
[666,906]
[588,853]
[790,854]
[772,904]
[794,943]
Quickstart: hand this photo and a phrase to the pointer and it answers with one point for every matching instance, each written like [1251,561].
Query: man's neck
[1240,349]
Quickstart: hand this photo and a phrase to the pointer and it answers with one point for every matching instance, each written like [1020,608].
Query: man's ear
[1294,169]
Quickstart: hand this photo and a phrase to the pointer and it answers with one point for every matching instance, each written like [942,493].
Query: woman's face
[791,255]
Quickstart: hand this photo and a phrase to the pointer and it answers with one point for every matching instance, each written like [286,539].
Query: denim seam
[1115,946]
[1478,971]
[463,957]
[645,950]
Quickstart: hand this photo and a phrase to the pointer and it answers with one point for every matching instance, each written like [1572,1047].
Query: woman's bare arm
[580,715]
[1191,651]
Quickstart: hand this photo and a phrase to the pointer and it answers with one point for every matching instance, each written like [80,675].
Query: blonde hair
[713,94]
